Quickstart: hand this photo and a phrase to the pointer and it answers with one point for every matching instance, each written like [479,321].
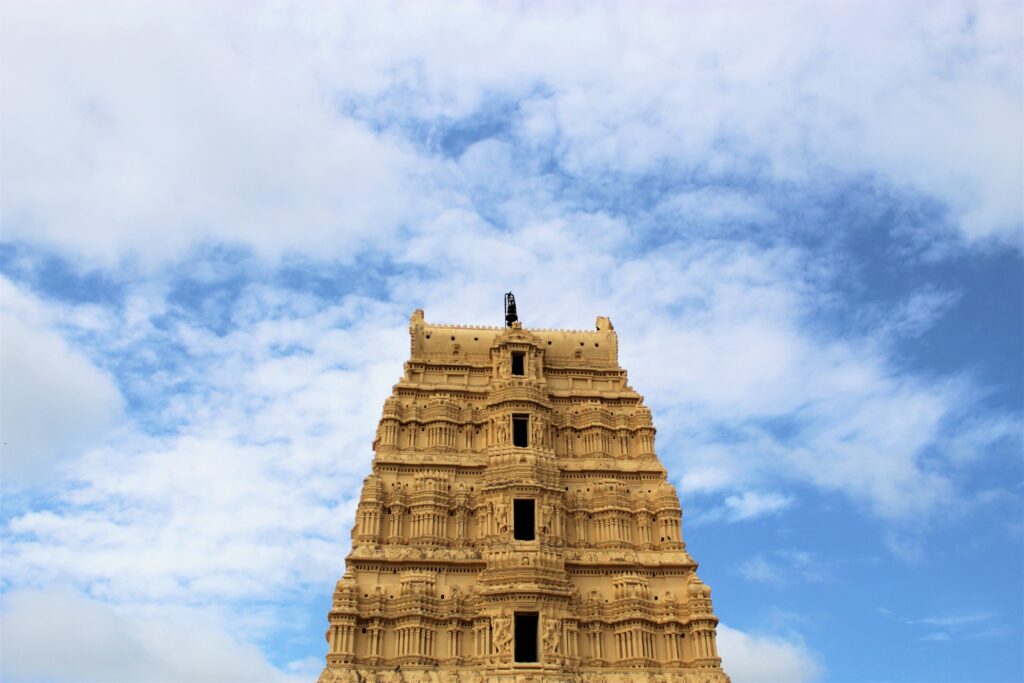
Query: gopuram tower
[517,524]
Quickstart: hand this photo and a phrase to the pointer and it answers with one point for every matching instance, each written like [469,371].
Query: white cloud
[758,568]
[919,312]
[709,207]
[750,394]
[791,565]
[752,504]
[252,493]
[746,506]
[297,128]
[308,668]
[61,635]
[147,129]
[238,514]
[54,402]
[757,658]
[908,547]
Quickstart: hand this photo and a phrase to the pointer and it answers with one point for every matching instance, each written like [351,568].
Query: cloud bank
[329,129]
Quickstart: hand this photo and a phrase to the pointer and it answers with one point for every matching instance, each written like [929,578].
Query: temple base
[465,675]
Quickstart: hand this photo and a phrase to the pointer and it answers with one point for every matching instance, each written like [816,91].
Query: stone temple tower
[517,524]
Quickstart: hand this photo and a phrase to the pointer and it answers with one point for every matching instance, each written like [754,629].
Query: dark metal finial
[510,309]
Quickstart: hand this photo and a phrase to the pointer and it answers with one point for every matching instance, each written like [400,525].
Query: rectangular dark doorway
[523,519]
[526,636]
[518,358]
[520,430]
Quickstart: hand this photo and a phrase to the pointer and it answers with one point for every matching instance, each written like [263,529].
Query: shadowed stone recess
[492,430]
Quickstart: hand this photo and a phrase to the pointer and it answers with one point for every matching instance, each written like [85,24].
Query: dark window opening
[524,527]
[520,429]
[526,636]
[517,363]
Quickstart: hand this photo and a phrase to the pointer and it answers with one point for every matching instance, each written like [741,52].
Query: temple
[517,524]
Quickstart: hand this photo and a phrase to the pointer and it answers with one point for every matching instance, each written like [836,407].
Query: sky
[804,219]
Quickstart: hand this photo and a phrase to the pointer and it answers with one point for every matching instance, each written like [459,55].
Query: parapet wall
[599,346]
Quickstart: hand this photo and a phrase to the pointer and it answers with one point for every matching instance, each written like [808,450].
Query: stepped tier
[517,524]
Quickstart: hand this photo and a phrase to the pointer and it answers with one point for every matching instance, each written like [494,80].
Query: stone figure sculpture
[502,628]
[503,518]
[552,636]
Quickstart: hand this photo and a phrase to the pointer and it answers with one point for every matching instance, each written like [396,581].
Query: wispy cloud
[758,568]
[955,619]
[746,506]
[967,624]
[793,566]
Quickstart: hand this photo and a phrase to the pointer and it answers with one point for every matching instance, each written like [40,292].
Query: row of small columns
[454,641]
[415,641]
[342,646]
[418,640]
[482,638]
[600,440]
[432,523]
[674,646]
[591,440]
[616,527]
[703,641]
[634,643]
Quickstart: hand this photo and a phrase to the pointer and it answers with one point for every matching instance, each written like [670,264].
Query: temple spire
[510,309]
[517,525]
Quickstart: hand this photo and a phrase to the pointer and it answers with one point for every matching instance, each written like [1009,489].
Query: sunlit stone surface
[518,525]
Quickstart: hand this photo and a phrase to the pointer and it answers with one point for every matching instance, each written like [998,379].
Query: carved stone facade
[517,524]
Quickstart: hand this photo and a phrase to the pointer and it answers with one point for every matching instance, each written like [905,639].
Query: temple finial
[510,309]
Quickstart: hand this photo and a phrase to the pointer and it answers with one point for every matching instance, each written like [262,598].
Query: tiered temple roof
[517,524]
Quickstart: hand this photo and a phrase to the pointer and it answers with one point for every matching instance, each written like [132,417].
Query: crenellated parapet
[517,524]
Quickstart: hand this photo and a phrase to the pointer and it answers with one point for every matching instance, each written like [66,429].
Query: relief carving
[552,639]
[502,627]
[503,518]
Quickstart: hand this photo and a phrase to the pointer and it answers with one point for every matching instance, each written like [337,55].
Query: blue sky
[805,221]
